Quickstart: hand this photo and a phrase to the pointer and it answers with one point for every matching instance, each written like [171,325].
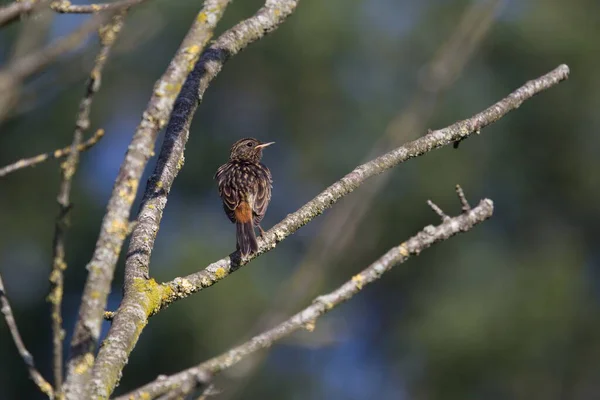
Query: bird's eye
[249,144]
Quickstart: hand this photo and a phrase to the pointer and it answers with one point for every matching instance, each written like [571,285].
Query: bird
[245,187]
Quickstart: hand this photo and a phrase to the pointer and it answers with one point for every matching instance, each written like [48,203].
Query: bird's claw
[261,231]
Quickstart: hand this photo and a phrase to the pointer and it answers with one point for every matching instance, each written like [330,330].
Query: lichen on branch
[184,382]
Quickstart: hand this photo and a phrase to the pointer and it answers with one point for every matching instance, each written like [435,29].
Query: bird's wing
[262,190]
[226,191]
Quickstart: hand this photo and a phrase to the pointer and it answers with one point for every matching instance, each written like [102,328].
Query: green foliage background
[507,311]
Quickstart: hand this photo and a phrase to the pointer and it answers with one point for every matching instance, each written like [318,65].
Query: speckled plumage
[245,188]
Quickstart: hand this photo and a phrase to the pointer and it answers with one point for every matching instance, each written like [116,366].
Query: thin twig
[56,154]
[463,198]
[35,375]
[108,35]
[115,224]
[137,303]
[65,6]
[323,304]
[437,210]
[180,288]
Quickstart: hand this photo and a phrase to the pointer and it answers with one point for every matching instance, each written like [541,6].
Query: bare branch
[18,70]
[338,230]
[145,297]
[180,384]
[32,36]
[306,318]
[171,157]
[436,78]
[34,62]
[180,288]
[56,154]
[17,9]
[65,6]
[108,35]
[139,301]
[35,375]
[463,198]
[437,210]
[115,224]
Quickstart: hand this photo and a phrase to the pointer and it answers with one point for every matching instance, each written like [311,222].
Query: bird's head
[248,149]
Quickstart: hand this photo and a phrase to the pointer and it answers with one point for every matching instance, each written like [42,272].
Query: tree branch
[31,63]
[115,223]
[17,9]
[18,70]
[180,288]
[65,6]
[35,375]
[139,300]
[108,35]
[338,229]
[56,154]
[13,11]
[196,376]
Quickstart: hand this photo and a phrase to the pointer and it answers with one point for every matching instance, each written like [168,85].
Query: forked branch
[115,224]
[137,305]
[144,297]
[56,154]
[184,382]
[180,288]
[108,35]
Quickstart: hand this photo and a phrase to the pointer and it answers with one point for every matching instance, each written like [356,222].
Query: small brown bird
[245,188]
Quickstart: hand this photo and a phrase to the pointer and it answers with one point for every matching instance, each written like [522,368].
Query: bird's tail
[246,238]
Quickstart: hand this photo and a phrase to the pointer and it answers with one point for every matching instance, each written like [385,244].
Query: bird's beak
[263,145]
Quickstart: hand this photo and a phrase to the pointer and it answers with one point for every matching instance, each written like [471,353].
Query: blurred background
[509,310]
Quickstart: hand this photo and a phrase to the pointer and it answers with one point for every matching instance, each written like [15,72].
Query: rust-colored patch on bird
[243,212]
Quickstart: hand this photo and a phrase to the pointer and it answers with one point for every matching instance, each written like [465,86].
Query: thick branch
[182,287]
[140,293]
[35,375]
[171,157]
[115,223]
[306,318]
